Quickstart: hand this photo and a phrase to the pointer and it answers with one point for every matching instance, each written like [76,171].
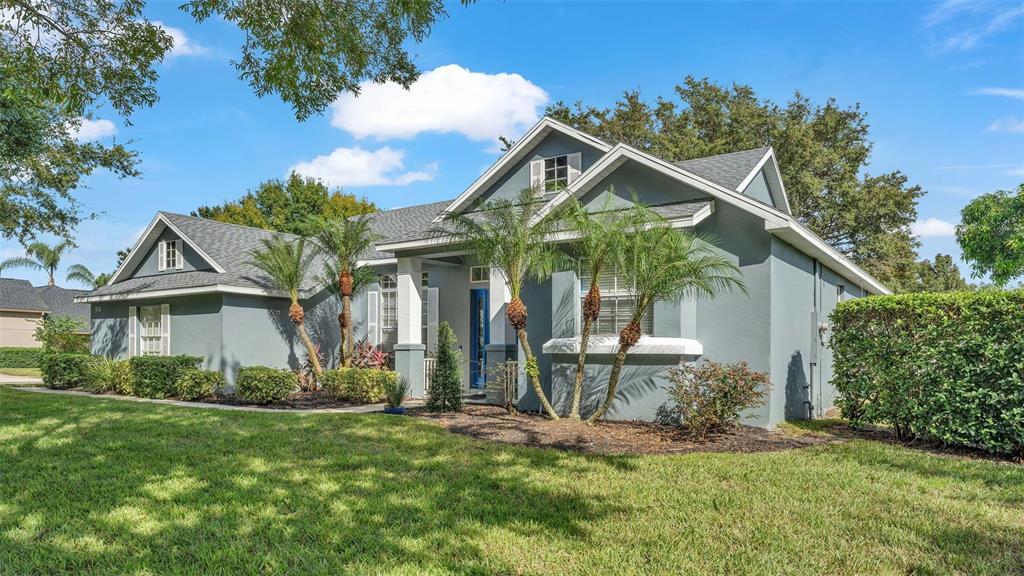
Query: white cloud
[183,45]
[447,99]
[1007,92]
[360,167]
[963,37]
[947,10]
[932,227]
[91,130]
[1009,124]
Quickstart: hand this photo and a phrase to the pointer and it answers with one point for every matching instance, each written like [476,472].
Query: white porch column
[409,350]
[498,298]
[410,301]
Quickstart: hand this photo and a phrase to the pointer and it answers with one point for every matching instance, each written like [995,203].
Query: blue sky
[942,83]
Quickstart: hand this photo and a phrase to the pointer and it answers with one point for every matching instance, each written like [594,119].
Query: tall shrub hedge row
[945,367]
[19,357]
[62,370]
[156,376]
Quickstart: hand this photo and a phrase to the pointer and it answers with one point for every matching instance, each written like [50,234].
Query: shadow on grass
[97,488]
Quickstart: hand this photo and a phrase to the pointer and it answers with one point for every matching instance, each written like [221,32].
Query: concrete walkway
[365,409]
[8,379]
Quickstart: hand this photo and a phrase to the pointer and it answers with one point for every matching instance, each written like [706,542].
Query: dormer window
[555,172]
[170,256]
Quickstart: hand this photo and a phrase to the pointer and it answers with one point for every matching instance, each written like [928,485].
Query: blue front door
[479,336]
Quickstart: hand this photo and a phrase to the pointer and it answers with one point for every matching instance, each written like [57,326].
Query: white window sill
[610,345]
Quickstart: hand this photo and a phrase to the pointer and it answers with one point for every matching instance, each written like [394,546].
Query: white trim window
[479,274]
[556,173]
[151,331]
[617,304]
[388,310]
[169,256]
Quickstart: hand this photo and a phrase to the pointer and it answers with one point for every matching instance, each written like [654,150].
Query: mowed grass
[21,372]
[93,486]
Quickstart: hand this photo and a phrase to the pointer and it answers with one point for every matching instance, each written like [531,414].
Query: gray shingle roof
[403,224]
[61,301]
[726,170]
[18,294]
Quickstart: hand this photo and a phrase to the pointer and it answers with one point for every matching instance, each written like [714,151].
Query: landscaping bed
[304,400]
[496,424]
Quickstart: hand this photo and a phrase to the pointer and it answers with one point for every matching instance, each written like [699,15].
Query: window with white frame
[617,304]
[556,173]
[388,309]
[479,274]
[169,255]
[151,330]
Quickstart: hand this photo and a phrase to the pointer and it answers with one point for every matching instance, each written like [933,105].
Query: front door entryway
[479,336]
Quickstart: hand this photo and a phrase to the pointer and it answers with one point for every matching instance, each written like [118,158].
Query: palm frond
[80,273]
[20,262]
[284,262]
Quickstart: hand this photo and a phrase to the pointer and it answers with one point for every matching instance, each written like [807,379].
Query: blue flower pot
[394,410]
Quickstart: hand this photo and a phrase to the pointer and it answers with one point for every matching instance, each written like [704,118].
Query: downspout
[813,381]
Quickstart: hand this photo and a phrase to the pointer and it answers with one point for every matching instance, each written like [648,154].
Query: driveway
[8,379]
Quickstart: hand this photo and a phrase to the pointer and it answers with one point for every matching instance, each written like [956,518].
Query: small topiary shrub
[941,367]
[155,376]
[710,396]
[196,384]
[263,385]
[19,357]
[65,370]
[445,394]
[359,385]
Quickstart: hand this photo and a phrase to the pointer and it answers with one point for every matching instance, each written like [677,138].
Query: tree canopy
[991,234]
[823,151]
[287,205]
[62,60]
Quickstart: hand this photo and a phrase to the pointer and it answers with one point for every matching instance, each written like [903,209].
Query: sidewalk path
[347,410]
[8,379]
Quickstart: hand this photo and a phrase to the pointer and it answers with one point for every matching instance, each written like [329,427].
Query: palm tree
[285,264]
[503,235]
[343,240]
[663,263]
[602,236]
[40,256]
[82,274]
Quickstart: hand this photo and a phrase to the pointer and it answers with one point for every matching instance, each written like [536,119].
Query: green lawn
[20,372]
[95,486]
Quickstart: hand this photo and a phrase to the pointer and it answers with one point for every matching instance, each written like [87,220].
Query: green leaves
[992,235]
[942,367]
[284,262]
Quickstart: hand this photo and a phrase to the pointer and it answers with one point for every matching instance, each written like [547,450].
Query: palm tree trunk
[533,375]
[581,364]
[310,349]
[347,339]
[629,336]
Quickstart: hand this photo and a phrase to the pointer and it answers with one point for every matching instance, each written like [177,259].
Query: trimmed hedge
[359,385]
[20,357]
[195,384]
[944,367]
[156,376]
[65,370]
[263,385]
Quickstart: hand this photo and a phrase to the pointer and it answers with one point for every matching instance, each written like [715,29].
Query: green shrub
[709,396]
[263,385]
[395,392]
[943,367]
[359,385]
[121,378]
[195,384]
[63,334]
[99,375]
[65,370]
[445,394]
[155,376]
[19,357]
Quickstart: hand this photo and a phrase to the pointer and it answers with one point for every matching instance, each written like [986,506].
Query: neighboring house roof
[20,295]
[61,302]
[726,170]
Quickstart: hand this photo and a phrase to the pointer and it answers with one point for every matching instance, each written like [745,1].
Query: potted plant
[395,392]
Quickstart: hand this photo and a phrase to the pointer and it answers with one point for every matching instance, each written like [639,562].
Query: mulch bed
[297,401]
[495,424]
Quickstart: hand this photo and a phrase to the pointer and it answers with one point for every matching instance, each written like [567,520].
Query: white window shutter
[161,257]
[133,331]
[537,175]
[575,166]
[372,317]
[179,262]
[431,319]
[165,329]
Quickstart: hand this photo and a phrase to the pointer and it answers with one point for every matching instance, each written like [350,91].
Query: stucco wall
[150,264]
[19,328]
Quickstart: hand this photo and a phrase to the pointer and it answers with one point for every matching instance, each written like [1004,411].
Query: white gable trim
[147,239]
[211,289]
[808,242]
[515,154]
[768,160]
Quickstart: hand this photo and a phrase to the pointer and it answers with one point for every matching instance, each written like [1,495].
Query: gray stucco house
[187,288]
